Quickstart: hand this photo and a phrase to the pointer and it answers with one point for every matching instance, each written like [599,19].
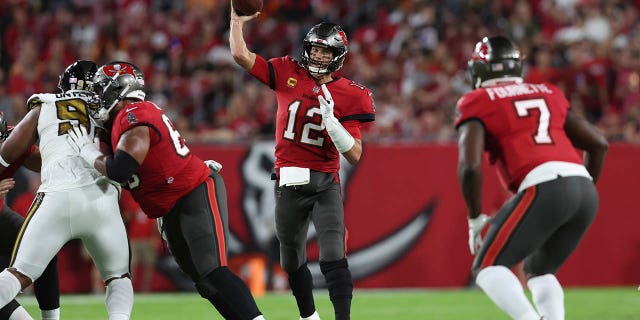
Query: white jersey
[62,167]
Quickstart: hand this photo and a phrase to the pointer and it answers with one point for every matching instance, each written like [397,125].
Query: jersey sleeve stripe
[218,226]
[360,117]
[471,119]
[509,226]
[272,76]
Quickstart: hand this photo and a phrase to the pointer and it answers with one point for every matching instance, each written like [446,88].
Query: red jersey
[170,170]
[11,170]
[301,140]
[524,126]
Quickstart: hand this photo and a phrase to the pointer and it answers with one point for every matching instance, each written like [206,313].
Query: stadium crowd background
[411,53]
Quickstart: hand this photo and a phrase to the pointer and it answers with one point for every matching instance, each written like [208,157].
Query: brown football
[247,7]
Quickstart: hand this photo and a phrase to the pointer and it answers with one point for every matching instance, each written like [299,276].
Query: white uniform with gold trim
[74,201]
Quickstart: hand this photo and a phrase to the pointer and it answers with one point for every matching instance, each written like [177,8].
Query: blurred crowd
[411,53]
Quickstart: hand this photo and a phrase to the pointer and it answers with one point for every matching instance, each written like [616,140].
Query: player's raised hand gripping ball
[246,7]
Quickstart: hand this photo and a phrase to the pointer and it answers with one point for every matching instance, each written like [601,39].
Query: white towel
[294,176]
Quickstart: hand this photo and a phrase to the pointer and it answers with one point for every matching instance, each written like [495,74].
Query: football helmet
[116,81]
[78,76]
[4,128]
[494,58]
[326,35]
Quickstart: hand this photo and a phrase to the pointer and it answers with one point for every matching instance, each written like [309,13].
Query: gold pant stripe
[32,210]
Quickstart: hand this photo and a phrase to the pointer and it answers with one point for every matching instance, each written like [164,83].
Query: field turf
[581,303]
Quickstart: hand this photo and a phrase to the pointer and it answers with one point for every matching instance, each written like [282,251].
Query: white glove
[214,165]
[80,140]
[475,228]
[326,103]
[341,138]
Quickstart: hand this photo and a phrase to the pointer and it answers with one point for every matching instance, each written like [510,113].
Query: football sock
[260,317]
[301,284]
[225,310]
[119,298]
[314,316]
[47,289]
[234,292]
[6,311]
[548,296]
[340,285]
[9,287]
[53,314]
[20,314]
[505,290]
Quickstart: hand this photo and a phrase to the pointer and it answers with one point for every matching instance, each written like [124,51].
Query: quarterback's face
[319,58]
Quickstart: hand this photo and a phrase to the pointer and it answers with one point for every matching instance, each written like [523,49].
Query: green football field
[587,303]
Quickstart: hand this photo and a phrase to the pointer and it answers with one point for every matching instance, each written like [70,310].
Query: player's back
[169,170]
[524,125]
[62,167]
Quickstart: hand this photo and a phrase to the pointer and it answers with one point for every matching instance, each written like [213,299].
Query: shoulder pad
[34,102]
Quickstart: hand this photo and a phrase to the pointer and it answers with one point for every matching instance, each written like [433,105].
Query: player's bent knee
[206,286]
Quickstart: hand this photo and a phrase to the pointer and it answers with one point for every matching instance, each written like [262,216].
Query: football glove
[213,165]
[87,146]
[475,229]
[341,138]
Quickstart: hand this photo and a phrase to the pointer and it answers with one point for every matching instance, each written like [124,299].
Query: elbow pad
[121,167]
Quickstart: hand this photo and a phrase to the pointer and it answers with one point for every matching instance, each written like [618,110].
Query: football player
[46,288]
[318,119]
[530,134]
[170,184]
[74,200]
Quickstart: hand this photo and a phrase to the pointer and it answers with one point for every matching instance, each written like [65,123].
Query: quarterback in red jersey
[530,135]
[318,119]
[46,288]
[170,183]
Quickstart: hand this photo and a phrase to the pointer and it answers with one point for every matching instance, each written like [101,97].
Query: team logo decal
[259,210]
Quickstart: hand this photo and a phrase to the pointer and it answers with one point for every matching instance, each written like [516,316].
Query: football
[246,7]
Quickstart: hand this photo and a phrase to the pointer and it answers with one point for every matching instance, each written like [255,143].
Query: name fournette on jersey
[513,90]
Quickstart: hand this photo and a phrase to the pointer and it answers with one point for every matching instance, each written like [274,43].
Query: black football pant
[196,230]
[320,202]
[46,288]
[541,225]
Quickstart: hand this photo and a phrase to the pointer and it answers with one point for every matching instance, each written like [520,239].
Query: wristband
[340,136]
[4,163]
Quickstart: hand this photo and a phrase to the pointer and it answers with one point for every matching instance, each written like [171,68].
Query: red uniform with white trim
[524,126]
[170,170]
[301,140]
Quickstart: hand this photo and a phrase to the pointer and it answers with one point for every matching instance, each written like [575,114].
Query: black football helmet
[116,81]
[494,57]
[4,128]
[78,76]
[326,35]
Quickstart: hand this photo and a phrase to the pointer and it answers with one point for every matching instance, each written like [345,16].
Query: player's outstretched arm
[587,137]
[23,136]
[237,45]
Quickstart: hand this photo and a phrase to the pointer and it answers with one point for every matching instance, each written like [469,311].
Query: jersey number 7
[523,110]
